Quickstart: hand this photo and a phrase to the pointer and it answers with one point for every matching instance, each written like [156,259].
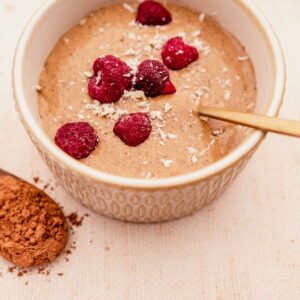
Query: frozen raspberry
[152,77]
[133,129]
[169,88]
[109,89]
[111,77]
[112,62]
[153,13]
[77,139]
[177,55]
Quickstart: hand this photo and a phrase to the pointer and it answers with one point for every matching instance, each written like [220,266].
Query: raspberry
[133,129]
[152,77]
[77,139]
[153,13]
[177,55]
[111,77]
[109,89]
[169,88]
[109,62]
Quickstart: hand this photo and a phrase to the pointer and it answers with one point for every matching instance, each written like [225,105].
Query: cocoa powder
[33,229]
[75,220]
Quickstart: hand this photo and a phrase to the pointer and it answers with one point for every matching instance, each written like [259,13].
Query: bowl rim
[249,144]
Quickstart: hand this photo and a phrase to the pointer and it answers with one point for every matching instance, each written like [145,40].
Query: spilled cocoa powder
[33,229]
[75,220]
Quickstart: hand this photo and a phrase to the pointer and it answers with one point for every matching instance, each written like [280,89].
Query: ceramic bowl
[141,200]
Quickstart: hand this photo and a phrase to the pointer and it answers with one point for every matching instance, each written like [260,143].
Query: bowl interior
[241,18]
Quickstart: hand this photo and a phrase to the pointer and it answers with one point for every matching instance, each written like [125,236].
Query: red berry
[77,139]
[133,129]
[169,88]
[110,89]
[112,62]
[111,77]
[153,13]
[177,55]
[152,77]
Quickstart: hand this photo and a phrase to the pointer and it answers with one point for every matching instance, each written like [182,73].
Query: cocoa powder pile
[33,229]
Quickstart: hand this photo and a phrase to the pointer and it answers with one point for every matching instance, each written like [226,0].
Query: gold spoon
[264,123]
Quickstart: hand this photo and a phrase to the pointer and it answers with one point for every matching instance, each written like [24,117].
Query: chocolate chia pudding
[166,137]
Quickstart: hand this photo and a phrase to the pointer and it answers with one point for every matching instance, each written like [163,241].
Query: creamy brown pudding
[180,141]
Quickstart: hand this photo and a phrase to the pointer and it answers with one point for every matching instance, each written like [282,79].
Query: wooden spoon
[17,197]
[5,173]
[264,123]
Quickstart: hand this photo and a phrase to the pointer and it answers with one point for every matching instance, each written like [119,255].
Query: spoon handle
[264,123]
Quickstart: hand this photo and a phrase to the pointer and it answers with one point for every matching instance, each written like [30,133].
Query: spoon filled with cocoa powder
[33,228]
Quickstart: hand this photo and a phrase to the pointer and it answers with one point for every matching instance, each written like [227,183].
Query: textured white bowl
[140,200]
